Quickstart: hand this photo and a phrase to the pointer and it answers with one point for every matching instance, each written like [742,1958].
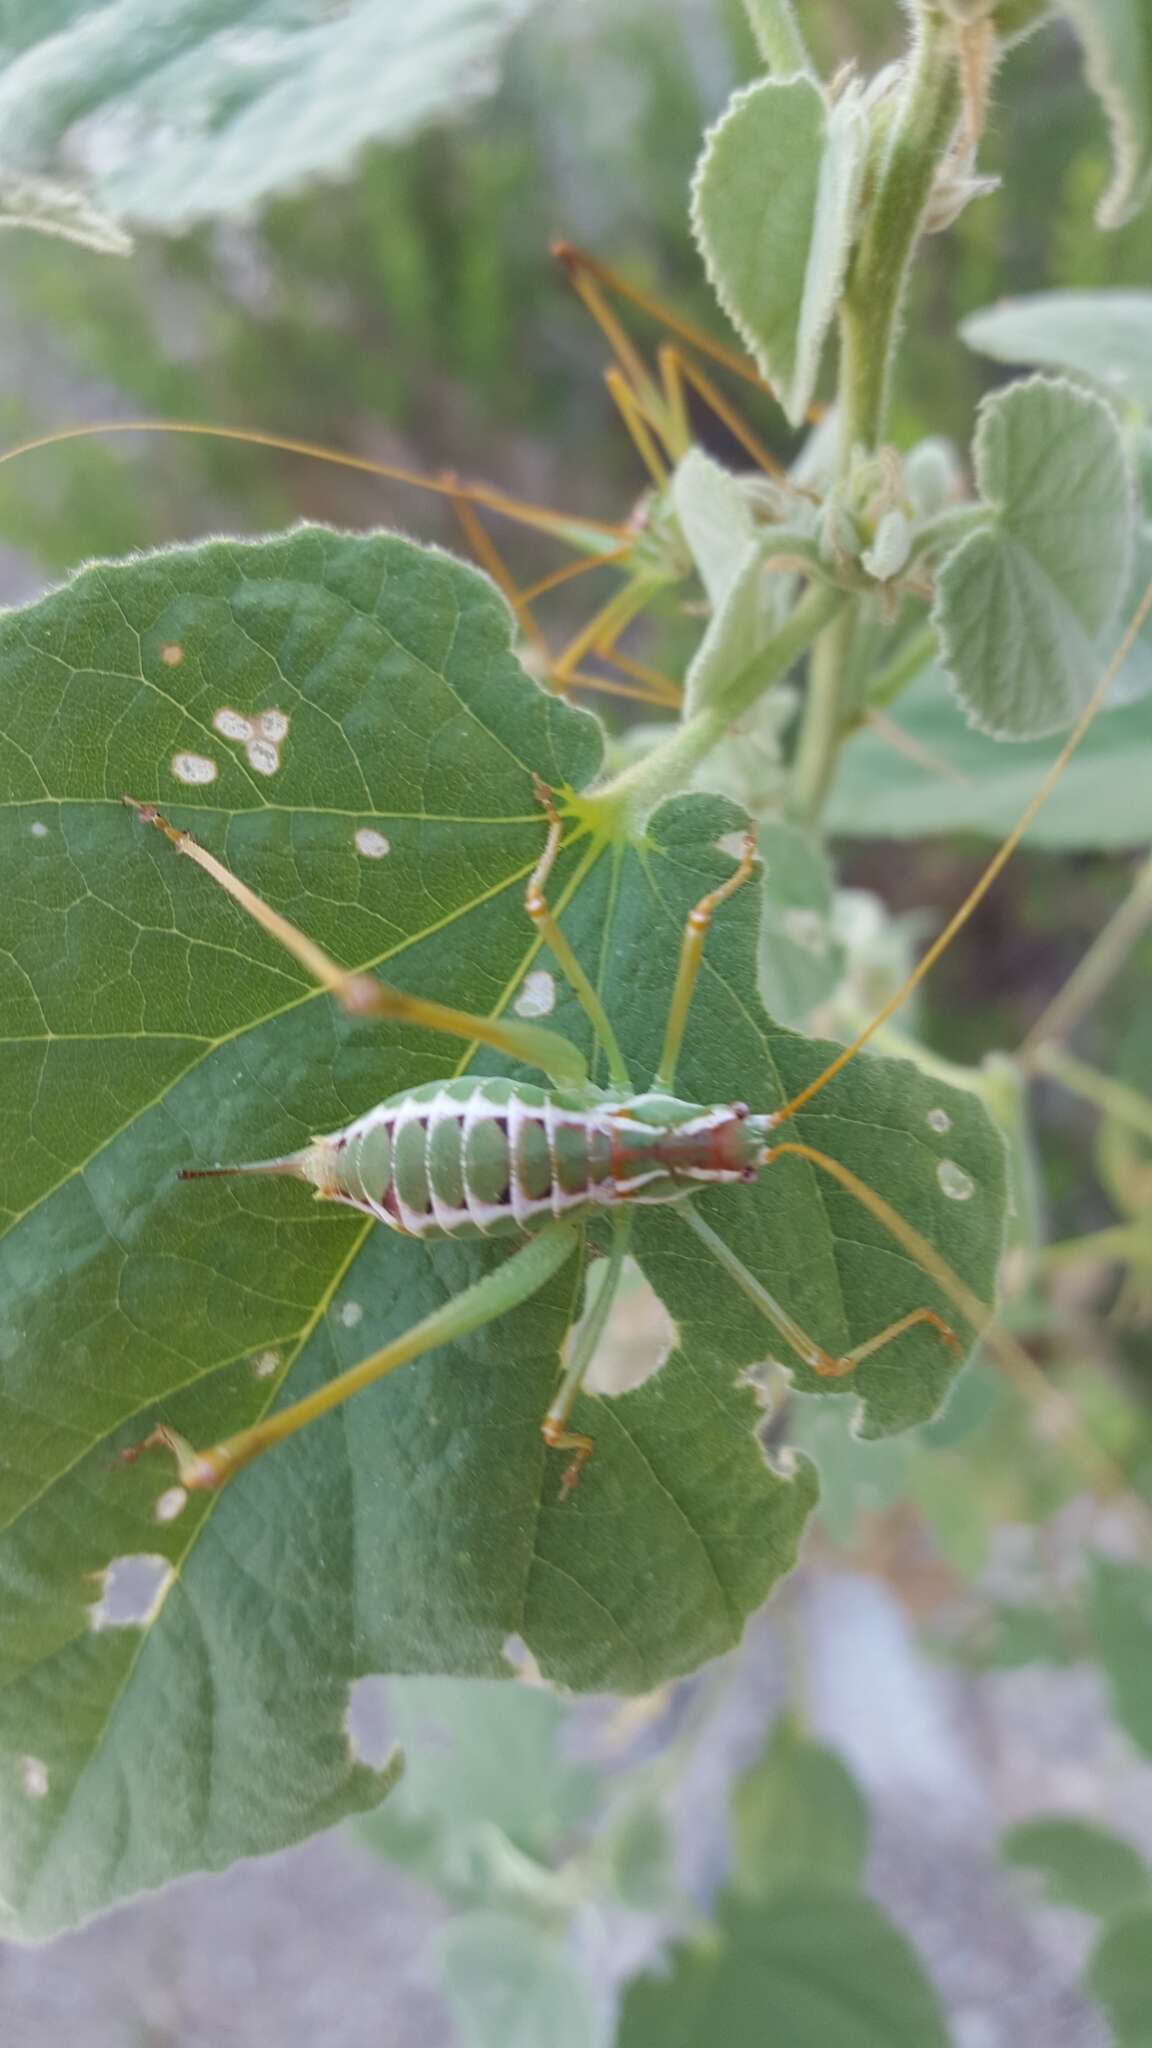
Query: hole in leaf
[637,1337]
[133,1590]
[366,1722]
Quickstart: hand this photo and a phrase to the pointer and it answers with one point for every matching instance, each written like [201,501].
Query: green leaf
[801,958]
[512,1985]
[149,1025]
[1121,1617]
[482,1759]
[1117,39]
[774,210]
[1081,1865]
[190,112]
[715,518]
[809,1968]
[797,1818]
[1022,603]
[856,1477]
[956,780]
[1120,1975]
[1106,336]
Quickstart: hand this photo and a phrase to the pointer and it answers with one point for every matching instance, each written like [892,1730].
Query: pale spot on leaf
[537,997]
[350,1313]
[34,1777]
[194,768]
[172,655]
[954,1182]
[265,1364]
[939,1120]
[170,1505]
[38,829]
[263,756]
[372,845]
[274,725]
[232,724]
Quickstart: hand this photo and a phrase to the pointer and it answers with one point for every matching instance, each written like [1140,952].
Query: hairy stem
[824,722]
[778,37]
[630,797]
[874,298]
[870,314]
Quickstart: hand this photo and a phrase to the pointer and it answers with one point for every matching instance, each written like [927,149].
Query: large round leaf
[342,720]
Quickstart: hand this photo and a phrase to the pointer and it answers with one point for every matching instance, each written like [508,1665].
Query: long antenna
[519,509]
[999,860]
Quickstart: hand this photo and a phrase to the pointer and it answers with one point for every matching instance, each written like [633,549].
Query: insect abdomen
[484,1158]
[466,1159]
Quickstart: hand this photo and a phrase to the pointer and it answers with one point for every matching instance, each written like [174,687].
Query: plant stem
[869,322]
[824,723]
[778,36]
[1114,1098]
[874,296]
[903,669]
[1102,961]
[1127,1243]
[625,802]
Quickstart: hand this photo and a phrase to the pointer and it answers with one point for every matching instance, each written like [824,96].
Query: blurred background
[937,1634]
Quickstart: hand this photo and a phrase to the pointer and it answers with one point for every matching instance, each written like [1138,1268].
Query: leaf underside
[166,116]
[148,1024]
[773,211]
[959,780]
[1023,604]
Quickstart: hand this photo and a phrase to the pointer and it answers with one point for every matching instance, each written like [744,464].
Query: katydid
[480,1157]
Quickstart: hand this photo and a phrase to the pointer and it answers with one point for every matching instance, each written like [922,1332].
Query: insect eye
[739,1109]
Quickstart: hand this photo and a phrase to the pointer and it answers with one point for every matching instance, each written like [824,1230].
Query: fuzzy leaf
[1121,1615]
[58,209]
[512,1985]
[774,209]
[716,521]
[481,1758]
[386,805]
[172,113]
[797,1818]
[801,958]
[1119,1974]
[1081,1865]
[1117,39]
[1022,604]
[813,1966]
[953,779]
[1106,336]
